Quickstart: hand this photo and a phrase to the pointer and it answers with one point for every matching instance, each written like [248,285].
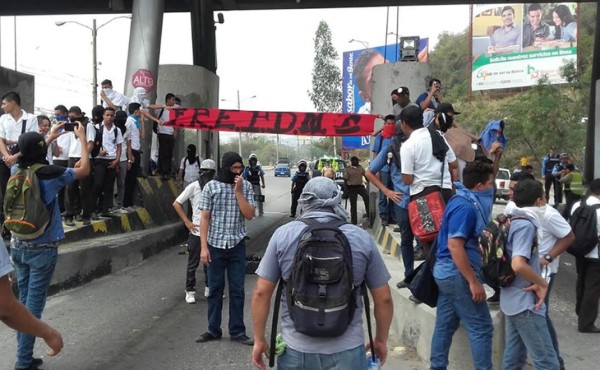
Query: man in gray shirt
[522,302]
[320,200]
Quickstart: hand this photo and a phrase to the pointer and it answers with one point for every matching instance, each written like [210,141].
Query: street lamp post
[364,43]
[239,102]
[94,31]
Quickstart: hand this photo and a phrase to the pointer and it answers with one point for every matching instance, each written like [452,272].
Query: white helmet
[208,164]
[252,156]
[302,161]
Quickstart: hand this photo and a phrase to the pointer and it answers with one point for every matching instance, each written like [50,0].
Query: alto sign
[143,78]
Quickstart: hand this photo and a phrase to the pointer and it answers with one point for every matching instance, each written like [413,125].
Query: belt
[29,245]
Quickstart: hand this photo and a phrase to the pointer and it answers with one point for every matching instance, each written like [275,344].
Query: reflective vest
[576,183]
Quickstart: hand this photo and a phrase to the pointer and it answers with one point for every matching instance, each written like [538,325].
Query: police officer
[298,181]
[550,160]
[254,174]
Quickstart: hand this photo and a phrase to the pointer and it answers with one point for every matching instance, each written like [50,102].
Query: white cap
[208,164]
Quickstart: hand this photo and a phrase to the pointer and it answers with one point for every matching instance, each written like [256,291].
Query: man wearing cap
[432,97]
[550,160]
[353,179]
[225,202]
[458,139]
[557,173]
[192,193]
[400,100]
[35,259]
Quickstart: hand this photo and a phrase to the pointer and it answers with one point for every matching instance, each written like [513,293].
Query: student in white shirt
[105,164]
[192,193]
[133,145]
[189,167]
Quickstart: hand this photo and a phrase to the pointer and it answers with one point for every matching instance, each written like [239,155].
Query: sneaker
[69,221]
[206,292]
[78,218]
[397,229]
[122,210]
[86,221]
[95,216]
[190,297]
[414,300]
[384,223]
[402,284]
[206,337]
[243,339]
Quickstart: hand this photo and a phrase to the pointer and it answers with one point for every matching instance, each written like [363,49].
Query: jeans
[407,237]
[104,183]
[234,261]
[385,205]
[527,334]
[455,304]
[193,263]
[34,267]
[121,173]
[131,179]
[291,359]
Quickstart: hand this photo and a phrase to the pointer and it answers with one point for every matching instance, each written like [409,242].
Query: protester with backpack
[189,167]
[556,237]
[588,259]
[35,257]
[316,338]
[522,300]
[456,270]
[192,193]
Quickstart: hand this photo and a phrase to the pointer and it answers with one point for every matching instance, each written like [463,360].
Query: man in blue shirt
[382,140]
[432,97]
[35,259]
[399,196]
[457,267]
[522,302]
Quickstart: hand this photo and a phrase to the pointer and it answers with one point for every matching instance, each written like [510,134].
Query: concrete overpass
[203,36]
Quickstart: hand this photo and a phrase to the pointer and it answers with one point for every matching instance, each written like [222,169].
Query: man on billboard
[363,73]
[509,33]
[535,29]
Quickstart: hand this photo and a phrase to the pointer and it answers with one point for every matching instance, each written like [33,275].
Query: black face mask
[225,175]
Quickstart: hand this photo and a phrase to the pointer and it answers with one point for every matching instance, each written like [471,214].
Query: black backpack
[496,267]
[320,293]
[584,224]
[98,140]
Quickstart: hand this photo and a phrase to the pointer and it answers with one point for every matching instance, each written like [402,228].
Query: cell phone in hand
[70,126]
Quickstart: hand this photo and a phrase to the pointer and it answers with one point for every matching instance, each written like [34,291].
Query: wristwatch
[548,258]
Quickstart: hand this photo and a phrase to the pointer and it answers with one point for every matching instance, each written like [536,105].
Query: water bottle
[372,362]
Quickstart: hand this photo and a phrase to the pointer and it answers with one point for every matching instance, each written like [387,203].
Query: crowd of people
[420,151]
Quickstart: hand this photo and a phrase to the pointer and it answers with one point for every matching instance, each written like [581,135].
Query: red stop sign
[143,78]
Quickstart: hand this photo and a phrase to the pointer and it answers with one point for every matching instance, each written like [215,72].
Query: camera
[70,126]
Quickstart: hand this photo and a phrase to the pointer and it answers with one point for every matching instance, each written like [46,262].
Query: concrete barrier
[414,324]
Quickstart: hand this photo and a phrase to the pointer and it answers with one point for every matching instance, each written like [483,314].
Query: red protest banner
[286,123]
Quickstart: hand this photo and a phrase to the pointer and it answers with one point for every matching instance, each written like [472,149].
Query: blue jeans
[407,237]
[34,267]
[291,359]
[455,304]
[527,333]
[385,205]
[234,261]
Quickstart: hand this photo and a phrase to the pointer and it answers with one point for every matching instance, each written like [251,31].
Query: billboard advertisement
[356,76]
[518,44]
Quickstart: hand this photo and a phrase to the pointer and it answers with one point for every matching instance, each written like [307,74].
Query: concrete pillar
[203,34]
[197,87]
[142,58]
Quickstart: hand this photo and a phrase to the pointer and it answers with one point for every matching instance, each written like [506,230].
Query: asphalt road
[137,318]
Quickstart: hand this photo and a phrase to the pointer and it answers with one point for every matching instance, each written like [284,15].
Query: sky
[266,54]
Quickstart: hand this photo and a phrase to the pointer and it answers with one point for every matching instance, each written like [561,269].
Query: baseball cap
[445,108]
[208,164]
[403,90]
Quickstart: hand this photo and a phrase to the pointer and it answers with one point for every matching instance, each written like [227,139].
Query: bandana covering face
[225,175]
[321,197]
[388,131]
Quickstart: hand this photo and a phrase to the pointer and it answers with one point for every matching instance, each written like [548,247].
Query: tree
[326,94]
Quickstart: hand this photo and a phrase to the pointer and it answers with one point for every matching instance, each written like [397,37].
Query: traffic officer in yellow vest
[573,182]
